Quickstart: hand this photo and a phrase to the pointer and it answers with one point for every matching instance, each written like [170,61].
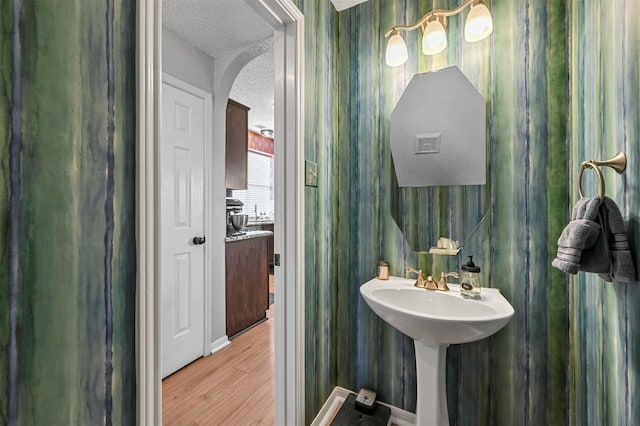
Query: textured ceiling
[220,27]
[216,27]
[256,77]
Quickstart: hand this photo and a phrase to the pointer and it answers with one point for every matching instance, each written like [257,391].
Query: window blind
[259,193]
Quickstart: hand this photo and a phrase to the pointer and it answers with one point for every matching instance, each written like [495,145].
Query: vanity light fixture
[478,26]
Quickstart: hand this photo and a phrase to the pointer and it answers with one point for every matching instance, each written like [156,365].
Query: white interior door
[182,222]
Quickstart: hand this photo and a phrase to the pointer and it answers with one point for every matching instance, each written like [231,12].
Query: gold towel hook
[618,163]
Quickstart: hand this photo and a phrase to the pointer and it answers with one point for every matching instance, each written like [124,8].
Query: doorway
[288,26]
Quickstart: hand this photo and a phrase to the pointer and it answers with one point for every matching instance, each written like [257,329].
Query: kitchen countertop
[259,222]
[248,235]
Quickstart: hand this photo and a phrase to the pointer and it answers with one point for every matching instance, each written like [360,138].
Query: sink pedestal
[431,396]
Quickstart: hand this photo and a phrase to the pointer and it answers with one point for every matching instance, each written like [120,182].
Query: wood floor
[234,386]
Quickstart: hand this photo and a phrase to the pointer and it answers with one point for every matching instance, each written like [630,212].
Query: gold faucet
[442,284]
[420,281]
[428,284]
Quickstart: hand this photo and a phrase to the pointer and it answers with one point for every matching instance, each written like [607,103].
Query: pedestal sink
[434,320]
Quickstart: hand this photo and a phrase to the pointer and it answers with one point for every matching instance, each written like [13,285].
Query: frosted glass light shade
[434,39]
[479,24]
[396,53]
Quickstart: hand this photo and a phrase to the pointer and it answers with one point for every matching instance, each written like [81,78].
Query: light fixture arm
[425,18]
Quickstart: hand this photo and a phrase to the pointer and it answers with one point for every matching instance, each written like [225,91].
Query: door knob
[198,240]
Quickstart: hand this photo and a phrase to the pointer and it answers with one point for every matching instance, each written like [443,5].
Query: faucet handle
[442,284]
[408,271]
[420,281]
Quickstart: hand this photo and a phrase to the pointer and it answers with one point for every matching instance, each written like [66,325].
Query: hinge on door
[276,259]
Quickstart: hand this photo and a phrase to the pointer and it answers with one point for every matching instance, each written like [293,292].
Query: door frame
[288,24]
[207,225]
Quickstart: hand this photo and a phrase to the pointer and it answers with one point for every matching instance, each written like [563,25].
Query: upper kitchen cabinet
[236,158]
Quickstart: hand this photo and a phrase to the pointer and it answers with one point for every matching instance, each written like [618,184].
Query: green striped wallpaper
[561,83]
[604,368]
[319,205]
[67,191]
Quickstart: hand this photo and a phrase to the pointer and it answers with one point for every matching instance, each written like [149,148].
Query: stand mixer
[236,222]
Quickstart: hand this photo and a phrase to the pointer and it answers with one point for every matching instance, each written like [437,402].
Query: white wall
[186,62]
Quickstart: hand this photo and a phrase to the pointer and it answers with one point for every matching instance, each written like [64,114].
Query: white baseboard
[399,416]
[219,344]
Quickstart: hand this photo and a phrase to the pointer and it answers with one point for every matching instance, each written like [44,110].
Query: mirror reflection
[438,147]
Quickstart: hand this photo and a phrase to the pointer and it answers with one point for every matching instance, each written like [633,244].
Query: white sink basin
[435,319]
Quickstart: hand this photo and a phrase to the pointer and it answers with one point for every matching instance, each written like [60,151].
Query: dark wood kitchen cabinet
[247,283]
[257,226]
[236,145]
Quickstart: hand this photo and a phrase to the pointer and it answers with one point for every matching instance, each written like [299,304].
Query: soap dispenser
[470,281]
